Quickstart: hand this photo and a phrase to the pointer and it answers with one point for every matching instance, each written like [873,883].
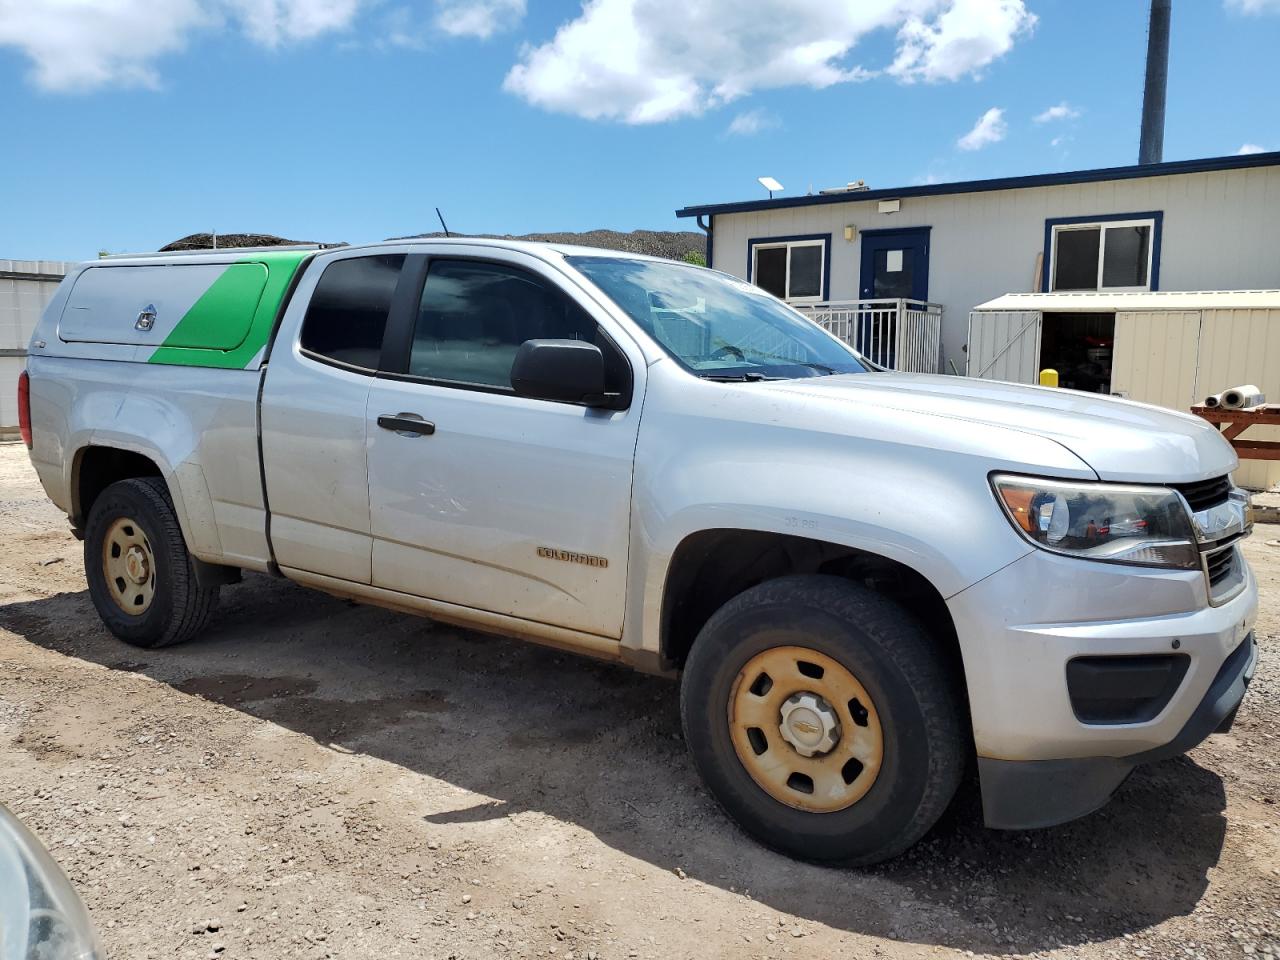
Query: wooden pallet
[1236,422]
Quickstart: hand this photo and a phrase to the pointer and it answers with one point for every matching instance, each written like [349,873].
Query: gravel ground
[317,779]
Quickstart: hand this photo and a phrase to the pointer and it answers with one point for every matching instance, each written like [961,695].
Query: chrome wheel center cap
[809,724]
[136,566]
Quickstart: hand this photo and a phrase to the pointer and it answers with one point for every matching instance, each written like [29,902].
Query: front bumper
[1023,795]
[1019,629]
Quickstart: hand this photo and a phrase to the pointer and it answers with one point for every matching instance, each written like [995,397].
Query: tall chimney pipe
[1151,146]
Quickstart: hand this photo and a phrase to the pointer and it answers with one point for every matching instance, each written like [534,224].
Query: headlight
[41,916]
[1146,526]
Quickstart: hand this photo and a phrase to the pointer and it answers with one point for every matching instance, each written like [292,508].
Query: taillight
[24,407]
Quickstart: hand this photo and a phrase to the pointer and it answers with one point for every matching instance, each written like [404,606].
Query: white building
[25,287]
[930,254]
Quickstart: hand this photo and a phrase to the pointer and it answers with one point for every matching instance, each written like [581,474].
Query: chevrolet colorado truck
[863,579]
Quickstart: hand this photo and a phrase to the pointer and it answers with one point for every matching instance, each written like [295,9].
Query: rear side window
[474,316]
[347,315]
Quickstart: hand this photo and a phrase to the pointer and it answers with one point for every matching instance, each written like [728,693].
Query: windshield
[717,326]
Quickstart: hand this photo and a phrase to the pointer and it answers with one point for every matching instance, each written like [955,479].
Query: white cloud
[1254,6]
[275,22]
[752,122]
[961,40]
[399,28]
[647,61]
[989,129]
[1246,148]
[478,18]
[78,45]
[1061,111]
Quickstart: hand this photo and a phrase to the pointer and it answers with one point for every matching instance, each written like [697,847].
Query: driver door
[498,502]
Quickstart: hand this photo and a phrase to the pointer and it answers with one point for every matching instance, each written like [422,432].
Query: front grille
[1219,565]
[1204,494]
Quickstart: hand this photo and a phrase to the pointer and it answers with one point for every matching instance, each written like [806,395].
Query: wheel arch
[709,567]
[96,466]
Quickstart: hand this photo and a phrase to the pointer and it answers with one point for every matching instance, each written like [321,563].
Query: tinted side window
[474,317]
[347,315]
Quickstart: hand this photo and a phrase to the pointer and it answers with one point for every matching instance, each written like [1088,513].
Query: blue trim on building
[1206,165]
[826,255]
[1157,216]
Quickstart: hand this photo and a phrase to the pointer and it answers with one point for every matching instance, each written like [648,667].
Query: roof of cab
[535,247]
[230,254]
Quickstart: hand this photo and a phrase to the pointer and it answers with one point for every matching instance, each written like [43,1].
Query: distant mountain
[204,241]
[672,244]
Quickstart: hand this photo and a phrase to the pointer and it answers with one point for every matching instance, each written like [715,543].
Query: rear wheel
[141,578]
[823,719]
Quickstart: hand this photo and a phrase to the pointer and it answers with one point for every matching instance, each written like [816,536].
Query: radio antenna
[442,223]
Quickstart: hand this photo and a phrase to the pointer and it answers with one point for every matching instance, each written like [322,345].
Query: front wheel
[141,578]
[822,718]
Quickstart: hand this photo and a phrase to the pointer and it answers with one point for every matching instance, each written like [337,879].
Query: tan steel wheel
[805,729]
[129,566]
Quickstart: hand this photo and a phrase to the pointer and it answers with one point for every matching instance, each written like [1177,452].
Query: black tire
[181,606]
[898,663]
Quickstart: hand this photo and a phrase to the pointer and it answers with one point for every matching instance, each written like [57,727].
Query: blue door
[895,266]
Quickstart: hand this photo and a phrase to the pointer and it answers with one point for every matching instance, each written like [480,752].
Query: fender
[198,426]
[909,488]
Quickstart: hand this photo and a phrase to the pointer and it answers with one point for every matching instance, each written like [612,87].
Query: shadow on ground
[599,746]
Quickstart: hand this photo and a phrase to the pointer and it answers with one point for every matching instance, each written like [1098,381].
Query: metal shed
[26,286]
[1169,348]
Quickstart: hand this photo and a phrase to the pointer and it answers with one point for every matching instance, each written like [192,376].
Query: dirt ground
[318,779]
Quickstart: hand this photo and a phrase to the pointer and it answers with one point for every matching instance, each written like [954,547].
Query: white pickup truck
[863,578]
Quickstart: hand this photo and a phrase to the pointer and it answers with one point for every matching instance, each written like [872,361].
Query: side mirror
[567,370]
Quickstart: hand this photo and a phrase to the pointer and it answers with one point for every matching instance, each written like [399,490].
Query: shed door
[1004,345]
[1155,357]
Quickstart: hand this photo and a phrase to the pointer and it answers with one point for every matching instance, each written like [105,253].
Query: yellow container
[1048,378]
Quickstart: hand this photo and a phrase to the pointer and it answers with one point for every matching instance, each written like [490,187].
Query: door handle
[410,423]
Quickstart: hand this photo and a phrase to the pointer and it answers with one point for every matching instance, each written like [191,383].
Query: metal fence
[25,288]
[901,335]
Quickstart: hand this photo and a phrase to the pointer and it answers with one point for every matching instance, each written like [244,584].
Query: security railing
[903,335]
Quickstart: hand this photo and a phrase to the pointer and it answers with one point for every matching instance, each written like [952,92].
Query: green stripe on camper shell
[226,298]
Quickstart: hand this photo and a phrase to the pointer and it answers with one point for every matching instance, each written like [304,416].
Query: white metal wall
[26,286]
[1220,232]
[1154,357]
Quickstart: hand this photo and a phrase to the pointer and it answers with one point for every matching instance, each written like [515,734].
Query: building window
[1103,253]
[791,268]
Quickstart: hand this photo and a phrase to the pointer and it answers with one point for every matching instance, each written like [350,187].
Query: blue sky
[132,123]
